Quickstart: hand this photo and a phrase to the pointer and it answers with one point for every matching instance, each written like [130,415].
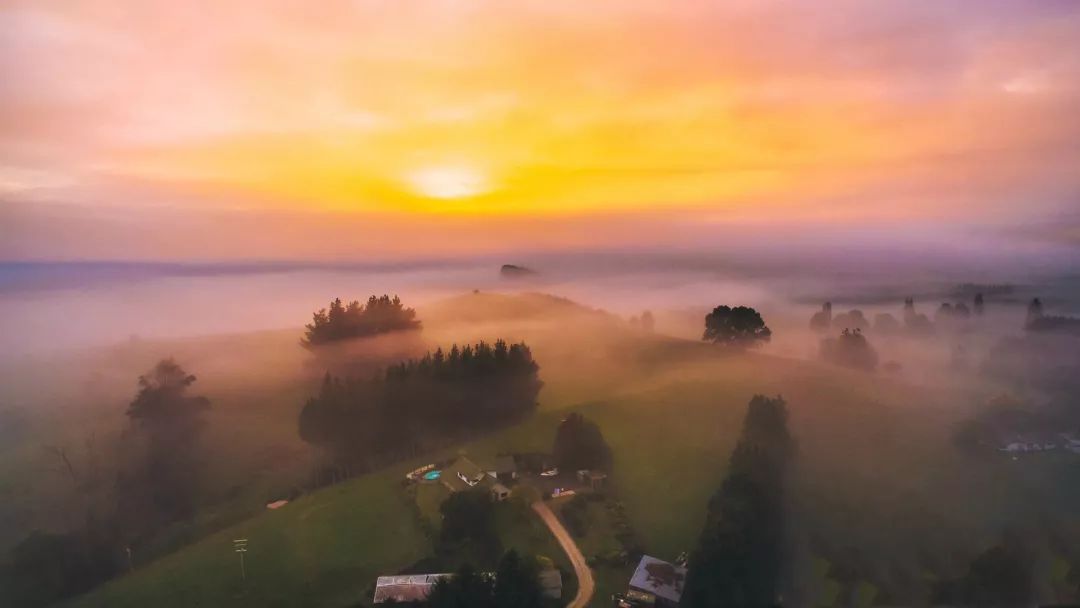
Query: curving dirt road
[586,584]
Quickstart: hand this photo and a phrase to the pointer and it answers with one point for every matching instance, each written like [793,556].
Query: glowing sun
[448,182]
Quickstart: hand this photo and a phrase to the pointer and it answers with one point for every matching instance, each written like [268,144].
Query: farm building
[406,587]
[659,579]
[462,475]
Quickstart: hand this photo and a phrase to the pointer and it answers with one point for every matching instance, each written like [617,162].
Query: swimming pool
[432,475]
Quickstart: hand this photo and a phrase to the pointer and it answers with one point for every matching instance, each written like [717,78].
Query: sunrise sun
[447,182]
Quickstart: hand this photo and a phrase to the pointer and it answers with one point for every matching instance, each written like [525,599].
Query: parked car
[552,472]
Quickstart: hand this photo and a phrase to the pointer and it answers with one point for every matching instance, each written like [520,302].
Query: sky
[381,129]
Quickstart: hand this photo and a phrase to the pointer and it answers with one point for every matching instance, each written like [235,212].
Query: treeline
[421,403]
[739,556]
[342,321]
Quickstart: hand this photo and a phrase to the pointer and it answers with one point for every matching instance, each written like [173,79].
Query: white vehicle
[552,472]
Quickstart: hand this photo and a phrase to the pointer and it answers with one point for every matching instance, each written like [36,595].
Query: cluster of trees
[156,484]
[342,321]
[739,556]
[469,516]
[645,322]
[914,323]
[739,327]
[1039,321]
[515,585]
[1001,576]
[579,445]
[850,349]
[421,403]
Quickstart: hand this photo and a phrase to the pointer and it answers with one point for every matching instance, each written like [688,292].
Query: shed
[500,492]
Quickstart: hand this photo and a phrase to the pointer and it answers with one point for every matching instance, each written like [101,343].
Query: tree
[421,403]
[516,582]
[465,589]
[468,515]
[46,568]
[1034,311]
[579,445]
[648,323]
[850,349]
[822,320]
[738,559]
[168,421]
[741,327]
[852,319]
[1000,576]
[340,321]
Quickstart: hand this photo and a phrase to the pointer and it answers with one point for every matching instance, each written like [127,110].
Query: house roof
[406,587]
[659,578]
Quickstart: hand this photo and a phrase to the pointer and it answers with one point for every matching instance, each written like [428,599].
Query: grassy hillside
[872,449]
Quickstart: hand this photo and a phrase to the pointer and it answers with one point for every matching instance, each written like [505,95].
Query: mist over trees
[156,484]
[167,422]
[1039,321]
[422,403]
[850,349]
[379,315]
[739,327]
[739,555]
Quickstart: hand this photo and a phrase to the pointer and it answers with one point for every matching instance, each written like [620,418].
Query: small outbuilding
[500,492]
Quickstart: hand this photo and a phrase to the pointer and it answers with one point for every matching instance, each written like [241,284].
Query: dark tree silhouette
[422,403]
[45,568]
[648,323]
[1034,311]
[999,577]
[915,323]
[738,558]
[516,582]
[741,326]
[515,585]
[468,515]
[340,322]
[850,349]
[466,589]
[168,421]
[852,319]
[579,444]
[822,320]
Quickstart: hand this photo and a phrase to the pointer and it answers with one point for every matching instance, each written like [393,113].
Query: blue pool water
[432,475]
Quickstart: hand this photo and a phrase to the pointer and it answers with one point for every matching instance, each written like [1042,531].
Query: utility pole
[240,546]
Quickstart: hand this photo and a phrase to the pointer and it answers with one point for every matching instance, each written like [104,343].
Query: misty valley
[510,446]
